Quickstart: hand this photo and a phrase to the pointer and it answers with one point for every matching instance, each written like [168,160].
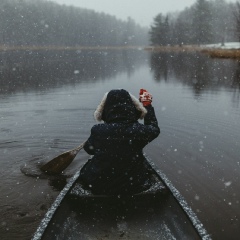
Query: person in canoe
[118,164]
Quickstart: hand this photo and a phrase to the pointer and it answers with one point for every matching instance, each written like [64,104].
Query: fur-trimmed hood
[119,106]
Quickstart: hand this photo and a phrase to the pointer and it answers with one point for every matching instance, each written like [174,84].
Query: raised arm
[150,120]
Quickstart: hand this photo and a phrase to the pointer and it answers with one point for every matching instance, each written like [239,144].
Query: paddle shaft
[79,147]
[62,161]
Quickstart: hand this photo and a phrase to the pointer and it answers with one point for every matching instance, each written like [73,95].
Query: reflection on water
[199,72]
[200,102]
[25,70]
[47,100]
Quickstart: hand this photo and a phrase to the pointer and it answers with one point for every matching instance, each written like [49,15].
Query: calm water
[47,100]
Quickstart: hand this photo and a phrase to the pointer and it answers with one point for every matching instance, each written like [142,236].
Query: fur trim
[138,105]
[99,110]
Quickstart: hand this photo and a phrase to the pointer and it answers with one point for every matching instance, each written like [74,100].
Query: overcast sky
[142,11]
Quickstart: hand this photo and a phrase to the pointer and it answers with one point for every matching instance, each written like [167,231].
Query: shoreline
[222,53]
[211,52]
[175,48]
[58,48]
[233,53]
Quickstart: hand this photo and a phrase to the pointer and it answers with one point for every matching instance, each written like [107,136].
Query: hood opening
[119,106]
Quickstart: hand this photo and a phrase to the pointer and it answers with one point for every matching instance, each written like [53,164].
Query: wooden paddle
[61,162]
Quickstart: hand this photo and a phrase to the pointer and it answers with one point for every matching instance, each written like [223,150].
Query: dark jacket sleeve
[151,124]
[89,145]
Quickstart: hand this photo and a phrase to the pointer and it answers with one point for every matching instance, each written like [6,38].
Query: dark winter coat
[117,165]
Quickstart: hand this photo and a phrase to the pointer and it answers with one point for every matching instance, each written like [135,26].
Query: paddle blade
[59,163]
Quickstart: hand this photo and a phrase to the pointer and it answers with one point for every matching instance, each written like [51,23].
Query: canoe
[159,212]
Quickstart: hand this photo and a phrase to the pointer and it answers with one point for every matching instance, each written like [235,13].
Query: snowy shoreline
[218,50]
[227,50]
[227,45]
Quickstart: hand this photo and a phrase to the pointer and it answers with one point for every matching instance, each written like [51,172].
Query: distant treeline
[204,22]
[44,23]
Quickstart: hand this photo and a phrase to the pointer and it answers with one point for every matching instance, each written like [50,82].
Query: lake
[47,100]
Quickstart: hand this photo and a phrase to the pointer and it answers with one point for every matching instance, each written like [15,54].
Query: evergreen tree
[237,20]
[183,27]
[166,32]
[222,21]
[202,23]
[159,33]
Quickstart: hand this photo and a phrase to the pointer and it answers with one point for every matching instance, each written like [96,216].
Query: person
[118,163]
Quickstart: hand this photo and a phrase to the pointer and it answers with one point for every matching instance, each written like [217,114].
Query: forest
[215,21]
[45,23]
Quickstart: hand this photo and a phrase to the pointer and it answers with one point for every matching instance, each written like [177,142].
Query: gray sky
[142,11]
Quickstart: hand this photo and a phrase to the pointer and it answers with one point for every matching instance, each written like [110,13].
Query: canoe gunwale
[182,202]
[51,211]
[196,223]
